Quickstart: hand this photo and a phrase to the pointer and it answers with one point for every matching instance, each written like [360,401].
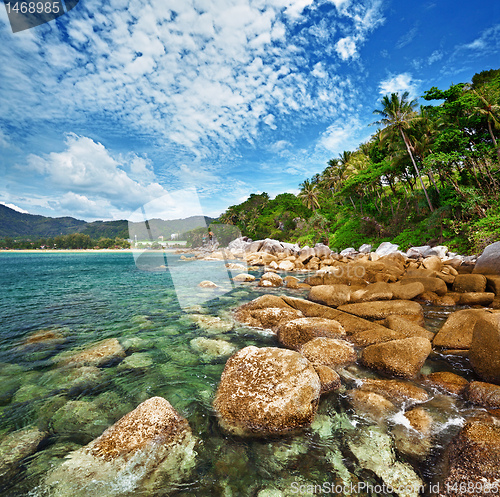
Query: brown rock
[493,284]
[407,328]
[473,459]
[383,309]
[435,285]
[101,354]
[483,298]
[271,317]
[244,277]
[152,437]
[371,404]
[415,442]
[403,358]
[484,394]
[47,337]
[420,420]
[433,263]
[207,284]
[271,279]
[329,352]
[484,354]
[431,297]
[331,295]
[297,332]
[377,335]
[397,391]
[373,292]
[465,283]
[291,282]
[330,380]
[446,381]
[408,291]
[267,391]
[456,332]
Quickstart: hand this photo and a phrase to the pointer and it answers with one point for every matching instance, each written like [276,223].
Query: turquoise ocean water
[87,297]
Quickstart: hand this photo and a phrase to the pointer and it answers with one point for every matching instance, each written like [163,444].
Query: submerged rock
[148,450]
[212,349]
[102,354]
[267,391]
[370,404]
[413,438]
[374,452]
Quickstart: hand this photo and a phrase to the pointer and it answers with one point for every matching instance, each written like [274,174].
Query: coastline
[78,251]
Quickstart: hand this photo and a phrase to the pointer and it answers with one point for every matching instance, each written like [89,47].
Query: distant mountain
[16,224]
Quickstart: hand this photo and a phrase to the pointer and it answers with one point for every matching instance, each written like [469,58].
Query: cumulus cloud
[399,83]
[346,48]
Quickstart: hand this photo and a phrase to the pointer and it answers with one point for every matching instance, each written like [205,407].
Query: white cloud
[14,207]
[346,48]
[399,83]
[435,56]
[4,141]
[487,42]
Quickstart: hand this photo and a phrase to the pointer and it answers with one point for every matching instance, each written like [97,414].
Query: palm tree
[397,114]
[309,194]
[490,111]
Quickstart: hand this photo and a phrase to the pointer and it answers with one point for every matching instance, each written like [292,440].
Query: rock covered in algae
[267,391]
[212,349]
[148,450]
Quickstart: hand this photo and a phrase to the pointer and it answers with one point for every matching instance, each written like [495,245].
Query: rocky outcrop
[149,449]
[293,334]
[484,354]
[489,261]
[267,391]
[403,358]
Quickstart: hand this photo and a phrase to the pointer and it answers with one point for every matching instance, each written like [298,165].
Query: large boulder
[271,247]
[373,292]
[484,353]
[330,352]
[407,328]
[386,248]
[431,284]
[383,309]
[484,394]
[295,333]
[408,291]
[446,381]
[473,460]
[456,332]
[469,283]
[331,295]
[489,261]
[150,449]
[271,279]
[397,391]
[322,251]
[403,358]
[267,391]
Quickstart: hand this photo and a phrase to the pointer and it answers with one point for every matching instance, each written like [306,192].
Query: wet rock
[435,285]
[291,282]
[473,459]
[446,381]
[329,352]
[8,387]
[244,277]
[214,324]
[267,391]
[413,438]
[489,261]
[149,449]
[433,263]
[398,392]
[17,446]
[383,309]
[456,332]
[407,328]
[331,295]
[376,335]
[271,279]
[329,379]
[371,405]
[484,394]
[469,283]
[136,344]
[374,451]
[212,349]
[484,354]
[102,354]
[406,291]
[295,333]
[403,358]
[207,284]
[139,361]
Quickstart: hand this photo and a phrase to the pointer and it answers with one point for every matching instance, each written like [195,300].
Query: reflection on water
[80,299]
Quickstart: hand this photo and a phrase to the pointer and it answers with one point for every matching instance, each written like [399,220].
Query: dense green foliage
[428,175]
[73,241]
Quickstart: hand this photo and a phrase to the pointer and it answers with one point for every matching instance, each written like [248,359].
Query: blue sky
[120,103]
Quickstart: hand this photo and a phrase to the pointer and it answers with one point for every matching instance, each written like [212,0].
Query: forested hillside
[428,175]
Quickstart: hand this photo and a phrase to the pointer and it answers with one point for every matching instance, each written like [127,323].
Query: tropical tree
[397,115]
[309,194]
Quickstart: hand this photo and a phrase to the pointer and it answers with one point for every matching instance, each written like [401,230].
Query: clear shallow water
[88,297]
